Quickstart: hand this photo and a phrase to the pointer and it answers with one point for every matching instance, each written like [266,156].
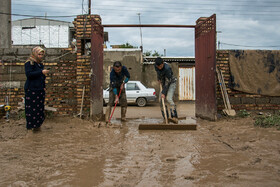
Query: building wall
[5,26]
[131,58]
[51,36]
[240,100]
[149,77]
[39,31]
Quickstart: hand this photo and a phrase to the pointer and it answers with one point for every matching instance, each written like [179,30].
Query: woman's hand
[45,72]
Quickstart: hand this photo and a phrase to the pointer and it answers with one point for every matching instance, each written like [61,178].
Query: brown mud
[75,152]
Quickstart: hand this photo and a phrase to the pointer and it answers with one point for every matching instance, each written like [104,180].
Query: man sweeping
[118,77]
[168,81]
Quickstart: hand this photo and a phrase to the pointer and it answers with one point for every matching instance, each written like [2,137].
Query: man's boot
[174,116]
[107,114]
[123,112]
[175,113]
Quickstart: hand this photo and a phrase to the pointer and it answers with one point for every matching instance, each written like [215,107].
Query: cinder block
[1,52]
[246,100]
[10,51]
[9,58]
[24,51]
[262,100]
[54,52]
[275,100]
[235,100]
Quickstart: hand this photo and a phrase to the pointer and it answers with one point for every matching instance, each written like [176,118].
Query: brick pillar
[83,37]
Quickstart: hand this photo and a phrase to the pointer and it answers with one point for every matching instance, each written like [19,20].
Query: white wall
[56,36]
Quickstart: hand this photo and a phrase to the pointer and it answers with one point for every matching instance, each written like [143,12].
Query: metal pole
[89,7]
[150,25]
[140,33]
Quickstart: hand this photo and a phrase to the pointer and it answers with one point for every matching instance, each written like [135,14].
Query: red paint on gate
[97,68]
[205,64]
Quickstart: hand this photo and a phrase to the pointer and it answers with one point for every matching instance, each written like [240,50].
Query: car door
[132,92]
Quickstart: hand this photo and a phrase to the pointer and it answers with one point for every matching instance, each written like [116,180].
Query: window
[132,86]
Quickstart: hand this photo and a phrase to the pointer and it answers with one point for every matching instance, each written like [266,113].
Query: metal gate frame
[205,67]
[205,64]
[97,33]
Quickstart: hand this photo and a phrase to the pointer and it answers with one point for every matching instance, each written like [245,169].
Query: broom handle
[115,106]
[164,109]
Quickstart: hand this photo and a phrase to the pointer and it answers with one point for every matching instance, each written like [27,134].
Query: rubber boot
[174,116]
[171,113]
[107,114]
[175,113]
[123,112]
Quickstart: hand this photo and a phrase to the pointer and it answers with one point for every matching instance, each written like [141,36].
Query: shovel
[166,126]
[228,111]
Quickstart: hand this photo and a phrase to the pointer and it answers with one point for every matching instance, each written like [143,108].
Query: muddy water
[71,152]
[74,152]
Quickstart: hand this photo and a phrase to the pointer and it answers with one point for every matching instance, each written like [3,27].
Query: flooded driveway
[75,152]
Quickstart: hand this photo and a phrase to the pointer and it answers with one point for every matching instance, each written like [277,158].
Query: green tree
[155,53]
[127,45]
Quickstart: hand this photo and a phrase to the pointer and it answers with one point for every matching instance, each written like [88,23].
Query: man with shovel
[168,82]
[118,77]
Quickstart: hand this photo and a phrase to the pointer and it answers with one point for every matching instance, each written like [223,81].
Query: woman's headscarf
[34,55]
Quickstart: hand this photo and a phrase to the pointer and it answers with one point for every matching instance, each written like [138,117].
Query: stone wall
[240,100]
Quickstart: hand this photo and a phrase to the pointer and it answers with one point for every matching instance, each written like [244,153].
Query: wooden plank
[167,127]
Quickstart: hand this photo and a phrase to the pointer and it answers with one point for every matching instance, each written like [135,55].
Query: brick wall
[69,72]
[240,100]
[82,26]
[60,83]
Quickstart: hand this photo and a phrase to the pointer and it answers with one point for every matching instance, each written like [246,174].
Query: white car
[136,92]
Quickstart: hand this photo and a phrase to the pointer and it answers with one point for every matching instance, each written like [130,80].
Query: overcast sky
[241,24]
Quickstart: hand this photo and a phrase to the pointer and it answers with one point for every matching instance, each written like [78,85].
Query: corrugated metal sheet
[187,83]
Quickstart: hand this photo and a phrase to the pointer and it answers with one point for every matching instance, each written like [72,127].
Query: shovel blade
[229,112]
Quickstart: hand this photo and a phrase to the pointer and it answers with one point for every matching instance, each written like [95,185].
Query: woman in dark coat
[35,89]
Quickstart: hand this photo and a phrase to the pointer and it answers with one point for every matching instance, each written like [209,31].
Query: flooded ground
[74,152]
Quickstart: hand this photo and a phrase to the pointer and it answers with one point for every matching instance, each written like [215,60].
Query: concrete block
[53,52]
[262,100]
[10,84]
[235,100]
[247,100]
[24,52]
[1,52]
[10,58]
[13,77]
[275,100]
[69,57]
[10,51]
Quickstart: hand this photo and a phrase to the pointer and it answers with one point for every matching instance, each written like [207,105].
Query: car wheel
[141,102]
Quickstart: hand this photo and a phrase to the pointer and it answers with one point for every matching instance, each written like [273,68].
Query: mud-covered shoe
[123,113]
[173,120]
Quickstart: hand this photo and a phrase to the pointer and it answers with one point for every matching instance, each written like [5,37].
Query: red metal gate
[96,69]
[205,65]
